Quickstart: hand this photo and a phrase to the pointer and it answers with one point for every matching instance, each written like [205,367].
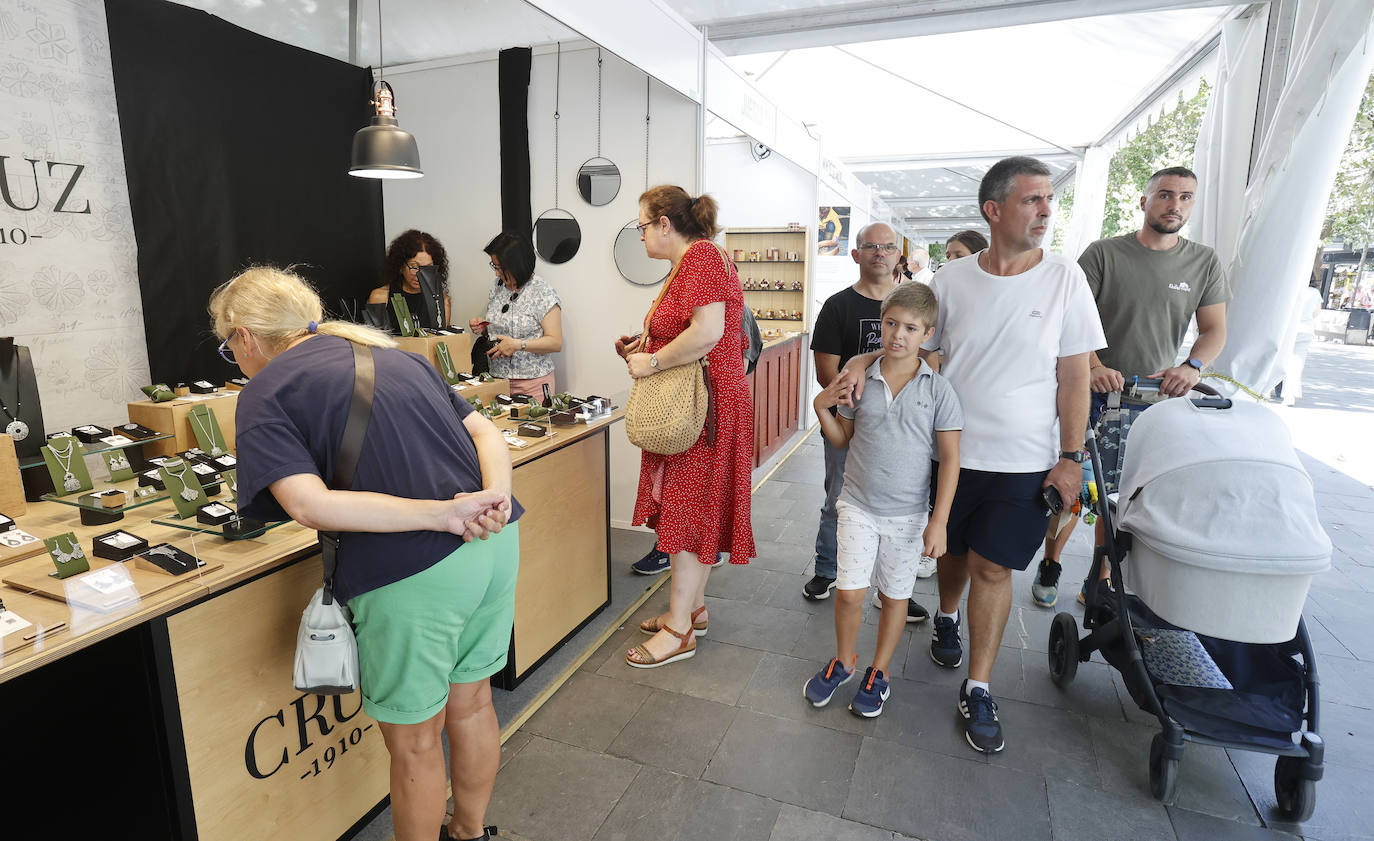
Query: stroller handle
[1148,384]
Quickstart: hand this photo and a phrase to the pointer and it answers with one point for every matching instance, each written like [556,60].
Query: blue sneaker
[653,563]
[822,685]
[868,701]
[984,731]
[946,649]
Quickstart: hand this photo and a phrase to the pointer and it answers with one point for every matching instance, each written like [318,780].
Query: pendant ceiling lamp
[383,149]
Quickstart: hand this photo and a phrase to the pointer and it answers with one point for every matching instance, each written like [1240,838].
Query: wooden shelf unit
[747,241]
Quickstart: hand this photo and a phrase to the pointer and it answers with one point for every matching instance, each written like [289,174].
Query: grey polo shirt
[887,470]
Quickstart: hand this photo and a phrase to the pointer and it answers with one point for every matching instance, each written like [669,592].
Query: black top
[290,420]
[849,324]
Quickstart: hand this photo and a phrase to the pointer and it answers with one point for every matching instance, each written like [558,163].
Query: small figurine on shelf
[767,313]
[779,285]
[796,285]
[797,315]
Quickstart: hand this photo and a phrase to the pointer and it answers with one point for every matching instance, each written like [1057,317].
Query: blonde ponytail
[278,307]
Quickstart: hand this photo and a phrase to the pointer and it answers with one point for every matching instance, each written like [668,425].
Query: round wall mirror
[637,266]
[598,181]
[557,236]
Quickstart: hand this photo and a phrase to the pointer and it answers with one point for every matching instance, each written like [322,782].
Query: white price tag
[14,538]
[11,622]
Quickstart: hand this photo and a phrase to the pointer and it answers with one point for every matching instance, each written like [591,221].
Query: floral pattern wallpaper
[68,260]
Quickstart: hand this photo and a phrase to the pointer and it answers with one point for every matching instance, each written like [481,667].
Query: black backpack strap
[350,450]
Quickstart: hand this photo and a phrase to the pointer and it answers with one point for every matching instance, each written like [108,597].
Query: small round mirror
[637,266]
[598,181]
[557,236]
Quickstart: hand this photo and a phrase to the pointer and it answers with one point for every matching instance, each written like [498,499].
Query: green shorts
[450,623]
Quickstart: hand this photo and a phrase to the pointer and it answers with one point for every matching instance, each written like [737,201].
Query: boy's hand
[934,539]
[835,394]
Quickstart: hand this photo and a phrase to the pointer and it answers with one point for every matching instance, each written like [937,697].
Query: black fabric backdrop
[237,150]
[514,85]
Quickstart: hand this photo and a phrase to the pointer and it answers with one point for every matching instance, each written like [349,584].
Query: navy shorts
[1001,516]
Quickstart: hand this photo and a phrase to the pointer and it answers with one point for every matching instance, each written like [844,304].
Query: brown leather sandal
[686,651]
[651,626]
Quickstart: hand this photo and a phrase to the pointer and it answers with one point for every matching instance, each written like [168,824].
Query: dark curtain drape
[237,150]
[514,86]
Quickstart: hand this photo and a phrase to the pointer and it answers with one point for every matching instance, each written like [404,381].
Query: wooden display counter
[179,706]
[776,386]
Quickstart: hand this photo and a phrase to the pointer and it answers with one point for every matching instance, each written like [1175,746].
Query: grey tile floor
[723,746]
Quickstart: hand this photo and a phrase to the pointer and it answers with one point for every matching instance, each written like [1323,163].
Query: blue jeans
[825,535]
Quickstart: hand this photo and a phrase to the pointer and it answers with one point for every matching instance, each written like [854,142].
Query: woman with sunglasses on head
[524,319]
[409,253]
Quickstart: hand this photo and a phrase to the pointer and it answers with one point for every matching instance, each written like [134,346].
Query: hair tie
[311,327]
[692,203]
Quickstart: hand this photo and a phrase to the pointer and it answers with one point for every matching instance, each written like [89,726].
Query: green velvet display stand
[117,462]
[403,316]
[67,555]
[183,487]
[206,429]
[64,457]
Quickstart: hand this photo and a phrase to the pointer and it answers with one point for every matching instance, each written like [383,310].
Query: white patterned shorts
[885,550]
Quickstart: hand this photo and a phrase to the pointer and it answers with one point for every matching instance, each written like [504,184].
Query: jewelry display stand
[65,458]
[205,427]
[67,555]
[21,411]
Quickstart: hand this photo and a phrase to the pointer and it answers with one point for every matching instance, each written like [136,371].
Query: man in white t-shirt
[1016,327]
[920,266]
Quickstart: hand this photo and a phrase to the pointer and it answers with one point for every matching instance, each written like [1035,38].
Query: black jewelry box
[118,545]
[135,431]
[6,524]
[203,387]
[91,434]
[152,479]
[167,558]
[214,514]
[530,430]
[237,527]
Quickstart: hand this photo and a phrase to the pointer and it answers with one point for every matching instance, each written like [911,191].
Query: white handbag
[326,650]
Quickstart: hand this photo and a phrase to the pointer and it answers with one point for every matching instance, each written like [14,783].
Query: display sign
[262,756]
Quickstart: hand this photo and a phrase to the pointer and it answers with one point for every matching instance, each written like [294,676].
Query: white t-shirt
[1002,338]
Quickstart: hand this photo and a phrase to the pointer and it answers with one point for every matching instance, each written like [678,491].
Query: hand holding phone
[1049,495]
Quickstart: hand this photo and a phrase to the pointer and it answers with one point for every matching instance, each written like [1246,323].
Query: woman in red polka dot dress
[697,501]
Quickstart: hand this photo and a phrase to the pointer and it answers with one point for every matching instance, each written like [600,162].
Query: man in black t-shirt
[848,325]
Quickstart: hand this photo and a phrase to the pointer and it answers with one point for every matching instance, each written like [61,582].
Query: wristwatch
[653,361]
[522,344]
[1195,363]
[1076,457]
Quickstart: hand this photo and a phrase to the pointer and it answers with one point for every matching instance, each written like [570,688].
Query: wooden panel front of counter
[776,384]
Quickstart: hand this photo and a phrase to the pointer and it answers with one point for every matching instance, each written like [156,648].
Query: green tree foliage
[1350,212]
[1169,141]
[1063,218]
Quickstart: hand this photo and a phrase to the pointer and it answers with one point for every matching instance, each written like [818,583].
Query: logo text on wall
[270,743]
[25,192]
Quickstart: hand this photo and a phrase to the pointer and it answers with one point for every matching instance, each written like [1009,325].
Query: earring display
[118,545]
[63,456]
[184,487]
[158,392]
[117,462]
[205,426]
[167,558]
[67,555]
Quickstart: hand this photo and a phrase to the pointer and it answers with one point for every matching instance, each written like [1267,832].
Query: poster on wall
[68,270]
[832,231]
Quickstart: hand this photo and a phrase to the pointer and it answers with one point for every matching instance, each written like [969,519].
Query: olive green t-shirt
[1146,298]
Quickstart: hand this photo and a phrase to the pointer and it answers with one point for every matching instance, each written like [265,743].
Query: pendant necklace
[16,429]
[186,493]
[73,554]
[64,460]
[215,448]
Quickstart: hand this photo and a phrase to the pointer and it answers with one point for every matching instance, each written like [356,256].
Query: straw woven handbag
[667,411]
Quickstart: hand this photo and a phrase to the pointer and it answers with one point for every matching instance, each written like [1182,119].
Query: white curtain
[1089,200]
[1279,217]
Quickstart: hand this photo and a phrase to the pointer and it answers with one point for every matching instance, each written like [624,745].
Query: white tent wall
[453,115]
[757,193]
[1280,214]
[1089,200]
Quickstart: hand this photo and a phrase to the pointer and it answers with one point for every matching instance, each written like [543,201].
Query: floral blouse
[527,308]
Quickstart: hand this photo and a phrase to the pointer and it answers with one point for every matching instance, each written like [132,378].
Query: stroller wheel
[1063,647]
[1296,796]
[1163,772]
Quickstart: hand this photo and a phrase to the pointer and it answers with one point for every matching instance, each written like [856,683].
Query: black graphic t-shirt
[848,325]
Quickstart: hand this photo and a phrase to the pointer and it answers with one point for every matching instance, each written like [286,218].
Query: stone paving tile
[1345,810]
[924,716]
[929,795]
[817,643]
[551,790]
[1348,733]
[747,583]
[796,824]
[588,711]
[1195,826]
[1083,814]
[776,689]
[675,732]
[1347,681]
[661,806]
[1053,742]
[717,673]
[786,760]
[755,626]
[513,745]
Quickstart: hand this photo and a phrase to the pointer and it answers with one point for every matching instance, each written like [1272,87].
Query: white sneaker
[925,568]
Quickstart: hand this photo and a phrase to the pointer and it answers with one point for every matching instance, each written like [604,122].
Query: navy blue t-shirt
[290,419]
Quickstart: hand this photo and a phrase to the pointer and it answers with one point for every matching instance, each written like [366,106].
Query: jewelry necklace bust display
[64,459]
[73,554]
[202,421]
[186,492]
[16,429]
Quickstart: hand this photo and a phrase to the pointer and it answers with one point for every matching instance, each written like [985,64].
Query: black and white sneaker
[915,613]
[818,588]
[946,648]
[984,731]
[653,563]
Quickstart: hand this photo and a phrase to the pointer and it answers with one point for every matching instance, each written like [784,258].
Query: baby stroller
[1216,532]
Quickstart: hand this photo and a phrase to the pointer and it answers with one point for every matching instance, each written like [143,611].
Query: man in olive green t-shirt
[1148,286]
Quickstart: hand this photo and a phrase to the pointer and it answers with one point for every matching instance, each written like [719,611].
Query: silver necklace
[16,429]
[215,448]
[76,553]
[69,480]
[186,493]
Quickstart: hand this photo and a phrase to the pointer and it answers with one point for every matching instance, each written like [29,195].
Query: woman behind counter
[525,320]
[407,254]
[432,611]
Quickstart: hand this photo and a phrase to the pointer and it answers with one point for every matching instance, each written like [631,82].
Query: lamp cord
[381,56]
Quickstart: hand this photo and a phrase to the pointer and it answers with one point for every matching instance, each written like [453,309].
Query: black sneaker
[945,647]
[915,614]
[1045,587]
[984,731]
[818,588]
[652,563]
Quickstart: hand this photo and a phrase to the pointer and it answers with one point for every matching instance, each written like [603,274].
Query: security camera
[760,151]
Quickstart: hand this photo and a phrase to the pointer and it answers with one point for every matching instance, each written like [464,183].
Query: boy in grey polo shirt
[891,434]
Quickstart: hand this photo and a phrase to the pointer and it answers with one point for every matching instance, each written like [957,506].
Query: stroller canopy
[1221,489]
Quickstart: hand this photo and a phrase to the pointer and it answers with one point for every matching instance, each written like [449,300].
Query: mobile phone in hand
[1052,500]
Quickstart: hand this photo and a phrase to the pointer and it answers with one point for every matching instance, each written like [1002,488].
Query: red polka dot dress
[698,501]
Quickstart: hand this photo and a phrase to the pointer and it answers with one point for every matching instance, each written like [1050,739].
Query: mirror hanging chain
[598,102]
[557,98]
[647,83]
